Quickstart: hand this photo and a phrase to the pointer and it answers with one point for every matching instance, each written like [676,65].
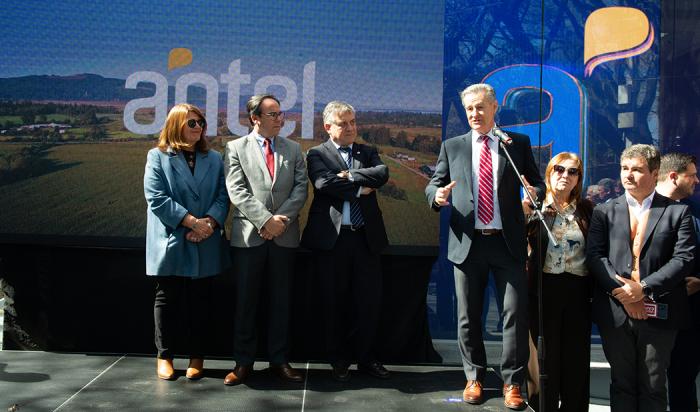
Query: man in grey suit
[487,234]
[266,181]
[640,248]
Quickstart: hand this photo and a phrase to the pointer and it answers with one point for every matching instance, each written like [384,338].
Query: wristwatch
[646,289]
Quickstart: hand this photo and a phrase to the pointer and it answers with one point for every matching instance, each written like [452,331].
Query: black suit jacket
[667,257]
[455,163]
[330,192]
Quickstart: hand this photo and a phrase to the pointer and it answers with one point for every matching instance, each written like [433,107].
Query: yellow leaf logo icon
[179,57]
[614,33]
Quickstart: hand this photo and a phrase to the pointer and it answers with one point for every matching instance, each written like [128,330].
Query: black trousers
[489,254]
[350,277]
[182,301]
[639,355]
[265,269]
[567,336]
[685,365]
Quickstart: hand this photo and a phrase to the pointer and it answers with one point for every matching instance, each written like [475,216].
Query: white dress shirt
[476,155]
[639,208]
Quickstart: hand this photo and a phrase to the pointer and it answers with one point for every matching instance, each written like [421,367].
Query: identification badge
[656,310]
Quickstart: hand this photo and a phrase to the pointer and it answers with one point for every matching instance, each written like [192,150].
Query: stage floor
[42,381]
[45,381]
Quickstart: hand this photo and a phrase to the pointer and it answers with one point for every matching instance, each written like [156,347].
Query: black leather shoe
[287,373]
[340,372]
[375,369]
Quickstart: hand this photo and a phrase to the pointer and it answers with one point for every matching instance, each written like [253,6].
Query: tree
[400,140]
[425,144]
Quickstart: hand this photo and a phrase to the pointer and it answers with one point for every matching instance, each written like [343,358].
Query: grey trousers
[489,254]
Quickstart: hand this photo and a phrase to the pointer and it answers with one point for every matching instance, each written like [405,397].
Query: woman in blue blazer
[187,201]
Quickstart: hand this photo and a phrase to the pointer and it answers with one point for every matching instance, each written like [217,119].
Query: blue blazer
[171,192]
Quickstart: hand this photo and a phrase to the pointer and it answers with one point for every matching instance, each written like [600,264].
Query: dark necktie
[485,208]
[355,210]
[269,157]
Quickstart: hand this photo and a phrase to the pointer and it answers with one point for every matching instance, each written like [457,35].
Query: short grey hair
[675,162]
[643,151]
[476,88]
[336,108]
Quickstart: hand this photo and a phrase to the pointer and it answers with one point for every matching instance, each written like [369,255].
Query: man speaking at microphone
[487,234]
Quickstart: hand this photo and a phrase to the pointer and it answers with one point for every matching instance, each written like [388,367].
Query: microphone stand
[504,140]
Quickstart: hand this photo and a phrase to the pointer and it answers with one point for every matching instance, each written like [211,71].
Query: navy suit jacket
[667,257]
[330,192]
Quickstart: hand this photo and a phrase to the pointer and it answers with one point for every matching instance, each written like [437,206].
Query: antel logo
[234,79]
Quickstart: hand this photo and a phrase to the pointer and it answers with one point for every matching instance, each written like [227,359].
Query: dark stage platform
[44,381]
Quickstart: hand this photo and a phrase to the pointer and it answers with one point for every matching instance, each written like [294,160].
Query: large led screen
[85,88]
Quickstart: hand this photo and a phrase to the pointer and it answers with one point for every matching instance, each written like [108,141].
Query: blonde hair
[578,189]
[172,134]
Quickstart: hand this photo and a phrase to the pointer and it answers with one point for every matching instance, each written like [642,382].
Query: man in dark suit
[266,181]
[346,232]
[640,248]
[487,234]
[678,176]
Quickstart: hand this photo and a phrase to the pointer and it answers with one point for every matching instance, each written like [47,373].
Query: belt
[351,227]
[487,232]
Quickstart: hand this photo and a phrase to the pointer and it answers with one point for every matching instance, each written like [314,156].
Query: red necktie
[269,158]
[485,208]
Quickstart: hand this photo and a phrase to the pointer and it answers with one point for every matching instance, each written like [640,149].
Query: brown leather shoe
[473,392]
[195,370]
[165,369]
[287,373]
[512,398]
[238,375]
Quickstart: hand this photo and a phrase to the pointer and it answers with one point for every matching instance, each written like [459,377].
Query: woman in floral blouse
[566,285]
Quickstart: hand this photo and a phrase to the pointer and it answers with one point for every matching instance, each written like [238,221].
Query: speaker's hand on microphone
[443,193]
[533,193]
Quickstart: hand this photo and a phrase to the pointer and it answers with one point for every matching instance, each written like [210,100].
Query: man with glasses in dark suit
[346,232]
[678,176]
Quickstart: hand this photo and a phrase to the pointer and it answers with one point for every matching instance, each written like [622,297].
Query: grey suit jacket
[455,163]
[256,197]
[667,257]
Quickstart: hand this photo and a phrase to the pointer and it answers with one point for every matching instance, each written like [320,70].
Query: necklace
[190,157]
[566,216]
[565,219]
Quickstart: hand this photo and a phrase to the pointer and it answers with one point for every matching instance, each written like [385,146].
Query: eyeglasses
[193,123]
[274,115]
[559,169]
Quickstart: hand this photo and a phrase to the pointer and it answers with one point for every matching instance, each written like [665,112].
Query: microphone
[501,135]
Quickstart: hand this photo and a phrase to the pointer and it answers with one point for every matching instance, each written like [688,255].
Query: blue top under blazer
[171,192]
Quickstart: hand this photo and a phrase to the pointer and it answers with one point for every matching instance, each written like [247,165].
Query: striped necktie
[355,210]
[485,208]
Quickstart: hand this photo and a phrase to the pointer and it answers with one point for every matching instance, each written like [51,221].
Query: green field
[13,119]
[50,118]
[96,189]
